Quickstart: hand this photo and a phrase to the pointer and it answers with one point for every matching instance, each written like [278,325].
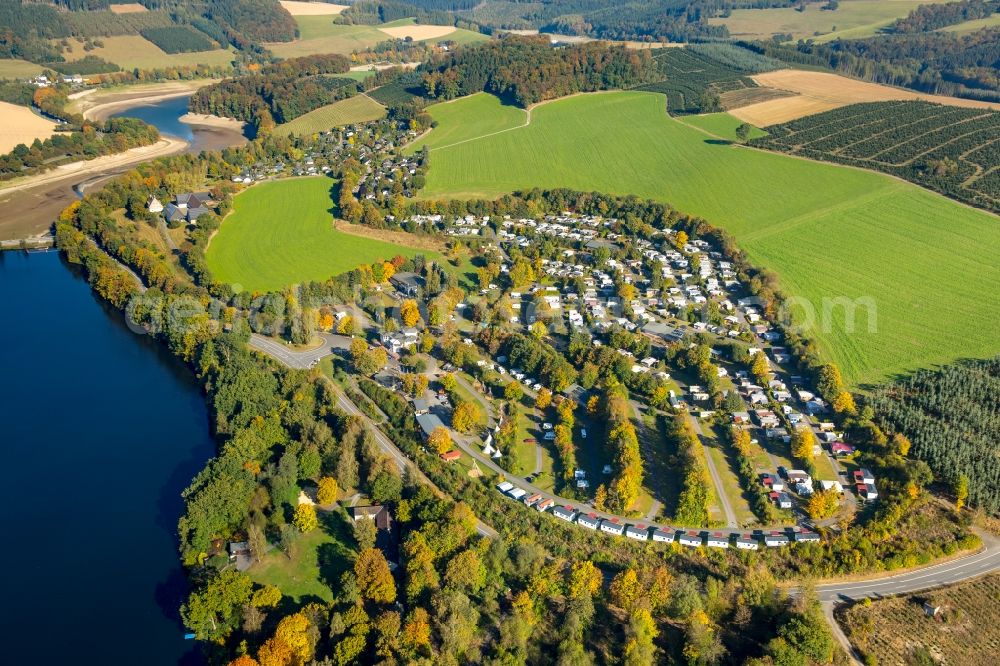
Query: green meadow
[928,265]
[357,109]
[281,233]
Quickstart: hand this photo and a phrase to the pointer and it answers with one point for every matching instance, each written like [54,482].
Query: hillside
[828,232]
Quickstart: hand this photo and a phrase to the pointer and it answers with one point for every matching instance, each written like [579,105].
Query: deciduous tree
[373,577]
[305,518]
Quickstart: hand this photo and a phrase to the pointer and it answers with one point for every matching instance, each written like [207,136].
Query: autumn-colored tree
[625,589]
[539,330]
[640,650]
[513,392]
[466,416]
[680,239]
[521,273]
[409,312]
[543,399]
[244,660]
[373,577]
[760,367]
[593,405]
[961,490]
[417,630]
[305,518]
[266,597]
[601,498]
[358,348]
[275,652]
[325,321]
[293,630]
[346,325]
[901,444]
[449,383]
[327,491]
[465,572]
[584,579]
[803,444]
[440,440]
[627,292]
[822,504]
[843,403]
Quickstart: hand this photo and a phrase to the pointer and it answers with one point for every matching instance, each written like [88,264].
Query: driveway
[300,360]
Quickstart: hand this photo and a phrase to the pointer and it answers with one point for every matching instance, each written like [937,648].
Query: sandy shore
[103,103]
[161,148]
[206,120]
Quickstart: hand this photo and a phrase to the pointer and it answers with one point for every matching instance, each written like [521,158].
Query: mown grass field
[971,26]
[281,233]
[357,109]
[927,265]
[722,125]
[131,51]
[18,69]
[852,19]
[468,119]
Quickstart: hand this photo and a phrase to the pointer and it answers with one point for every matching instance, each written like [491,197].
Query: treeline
[254,20]
[931,17]
[279,92]
[952,417]
[692,505]
[622,446]
[25,29]
[943,63]
[374,12]
[527,70]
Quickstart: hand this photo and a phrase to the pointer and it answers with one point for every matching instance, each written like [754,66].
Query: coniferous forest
[952,417]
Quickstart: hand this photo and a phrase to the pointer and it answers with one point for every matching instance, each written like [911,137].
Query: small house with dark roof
[662,536]
[407,283]
[746,542]
[637,532]
[690,539]
[386,535]
[775,539]
[612,527]
[564,513]
[590,521]
[717,540]
[806,537]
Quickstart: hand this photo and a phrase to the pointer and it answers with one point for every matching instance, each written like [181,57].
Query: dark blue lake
[102,429]
[164,115]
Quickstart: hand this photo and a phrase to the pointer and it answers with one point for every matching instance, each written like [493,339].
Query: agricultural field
[297,8]
[401,91]
[319,34]
[830,232]
[816,92]
[21,125]
[357,109]
[853,19]
[19,69]
[948,149]
[898,632]
[133,51]
[282,233]
[128,8]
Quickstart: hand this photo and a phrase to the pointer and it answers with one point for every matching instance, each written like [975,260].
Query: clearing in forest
[902,255]
[821,91]
[281,233]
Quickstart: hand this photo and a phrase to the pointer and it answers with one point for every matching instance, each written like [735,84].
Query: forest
[279,92]
[931,17]
[943,63]
[178,39]
[528,70]
[948,149]
[951,415]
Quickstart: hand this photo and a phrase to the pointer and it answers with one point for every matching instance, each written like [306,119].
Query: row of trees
[622,444]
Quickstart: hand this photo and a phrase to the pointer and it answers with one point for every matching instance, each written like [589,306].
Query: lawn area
[281,232]
[852,19]
[134,51]
[18,69]
[716,448]
[919,265]
[721,124]
[357,109]
[320,557]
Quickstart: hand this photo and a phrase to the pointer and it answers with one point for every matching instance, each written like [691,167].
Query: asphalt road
[720,489]
[946,573]
[301,360]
